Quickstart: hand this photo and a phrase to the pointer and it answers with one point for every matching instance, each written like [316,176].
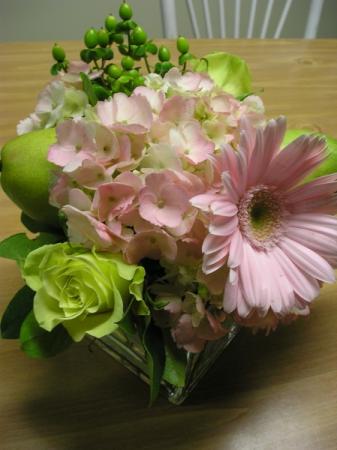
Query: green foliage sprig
[128,39]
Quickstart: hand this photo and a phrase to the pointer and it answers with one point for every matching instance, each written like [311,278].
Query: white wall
[68,19]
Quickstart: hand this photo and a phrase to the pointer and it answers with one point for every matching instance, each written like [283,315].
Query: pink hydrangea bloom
[74,144]
[276,249]
[126,114]
[190,82]
[189,141]
[162,202]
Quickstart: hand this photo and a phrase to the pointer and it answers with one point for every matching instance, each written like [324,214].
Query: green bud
[139,81]
[58,53]
[125,11]
[118,38]
[166,66]
[113,71]
[127,62]
[108,54]
[151,48]
[86,55]
[116,86]
[91,38]
[123,49]
[101,92]
[158,68]
[164,54]
[110,23]
[138,36]
[102,37]
[182,44]
[133,73]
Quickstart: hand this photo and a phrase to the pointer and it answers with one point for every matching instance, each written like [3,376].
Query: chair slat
[222,18]
[169,18]
[251,19]
[313,19]
[207,18]
[283,18]
[237,18]
[193,18]
[266,19]
[168,11]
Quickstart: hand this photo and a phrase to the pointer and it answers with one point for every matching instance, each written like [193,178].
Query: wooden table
[278,392]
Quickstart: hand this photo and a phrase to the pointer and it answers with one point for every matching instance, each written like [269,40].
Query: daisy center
[260,216]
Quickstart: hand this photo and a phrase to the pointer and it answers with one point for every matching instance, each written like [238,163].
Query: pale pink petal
[177,109]
[214,243]
[154,244]
[307,260]
[235,250]
[295,161]
[84,229]
[223,227]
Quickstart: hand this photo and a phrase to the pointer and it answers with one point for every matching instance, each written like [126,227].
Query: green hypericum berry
[139,81]
[158,67]
[116,86]
[91,38]
[102,37]
[138,36]
[182,44]
[166,66]
[113,71]
[164,54]
[110,23]
[125,11]
[132,73]
[100,92]
[118,38]
[127,62]
[86,55]
[108,54]
[58,53]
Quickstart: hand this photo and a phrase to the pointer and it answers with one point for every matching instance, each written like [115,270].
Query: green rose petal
[229,72]
[46,310]
[87,292]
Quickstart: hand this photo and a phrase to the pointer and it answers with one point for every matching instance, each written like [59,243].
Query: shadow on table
[90,402]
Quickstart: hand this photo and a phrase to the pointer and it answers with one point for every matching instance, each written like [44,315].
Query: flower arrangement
[165,204]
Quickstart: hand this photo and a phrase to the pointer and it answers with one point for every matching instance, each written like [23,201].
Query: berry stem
[148,68]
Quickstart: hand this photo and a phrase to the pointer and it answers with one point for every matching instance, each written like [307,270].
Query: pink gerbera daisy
[278,238]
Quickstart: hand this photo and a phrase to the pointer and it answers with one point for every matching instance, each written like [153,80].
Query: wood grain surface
[277,392]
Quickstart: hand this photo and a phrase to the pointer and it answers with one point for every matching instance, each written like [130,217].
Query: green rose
[87,292]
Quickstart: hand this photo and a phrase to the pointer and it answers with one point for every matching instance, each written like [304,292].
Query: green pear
[329,165]
[26,175]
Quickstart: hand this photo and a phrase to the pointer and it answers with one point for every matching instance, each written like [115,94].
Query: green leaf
[18,246]
[35,227]
[175,363]
[127,323]
[329,165]
[16,312]
[243,96]
[153,342]
[55,68]
[39,343]
[227,71]
[88,89]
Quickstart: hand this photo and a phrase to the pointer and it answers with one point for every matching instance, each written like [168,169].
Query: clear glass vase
[131,354]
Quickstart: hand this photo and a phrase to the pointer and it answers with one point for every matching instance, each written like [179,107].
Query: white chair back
[169,18]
